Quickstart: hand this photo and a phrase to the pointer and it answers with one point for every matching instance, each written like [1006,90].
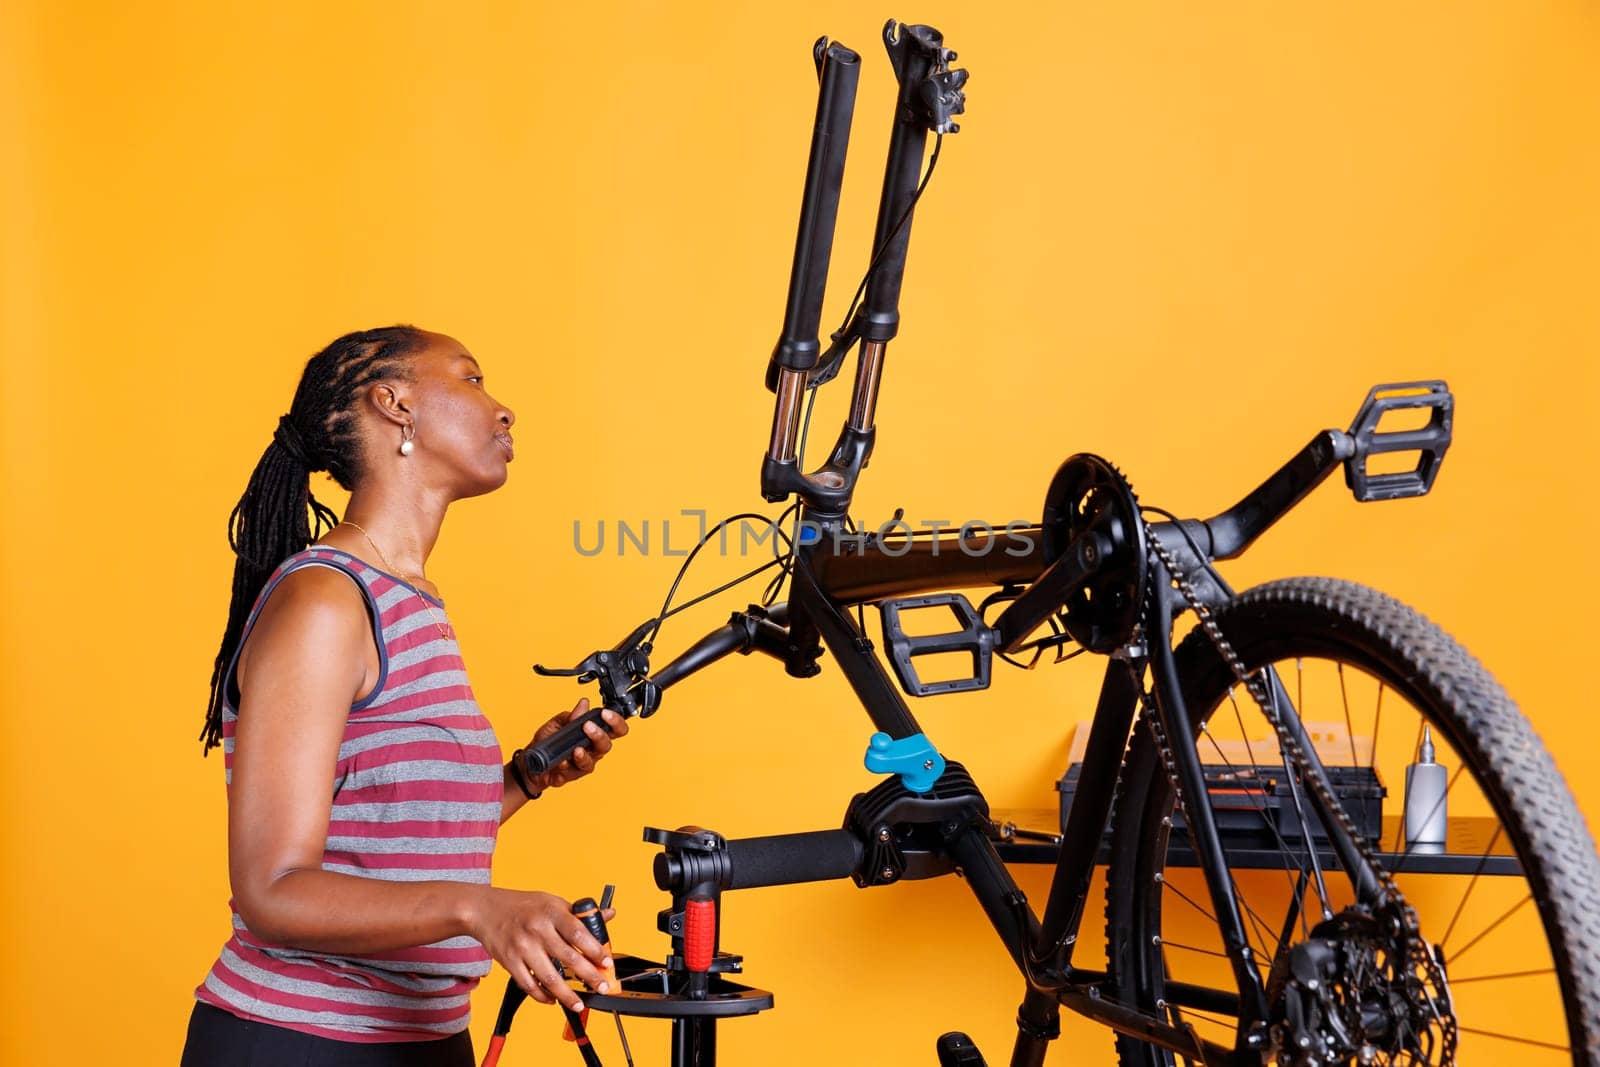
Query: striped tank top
[416,796]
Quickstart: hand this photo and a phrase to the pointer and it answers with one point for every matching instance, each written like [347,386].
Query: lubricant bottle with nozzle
[1426,817]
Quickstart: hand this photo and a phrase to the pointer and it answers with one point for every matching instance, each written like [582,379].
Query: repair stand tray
[647,990]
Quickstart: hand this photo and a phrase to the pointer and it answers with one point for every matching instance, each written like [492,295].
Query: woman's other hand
[525,932]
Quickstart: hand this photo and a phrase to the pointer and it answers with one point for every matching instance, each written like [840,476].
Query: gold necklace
[437,625]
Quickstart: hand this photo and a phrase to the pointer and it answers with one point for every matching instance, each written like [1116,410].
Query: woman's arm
[575,766]
[309,656]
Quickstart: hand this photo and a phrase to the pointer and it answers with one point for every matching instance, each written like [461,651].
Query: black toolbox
[1252,802]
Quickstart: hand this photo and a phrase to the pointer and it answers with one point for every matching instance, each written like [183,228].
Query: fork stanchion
[929,94]
[838,71]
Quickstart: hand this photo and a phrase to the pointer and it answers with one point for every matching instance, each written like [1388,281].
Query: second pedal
[1426,442]
[957,1050]
[974,637]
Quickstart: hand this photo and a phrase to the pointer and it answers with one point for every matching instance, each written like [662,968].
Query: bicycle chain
[1419,951]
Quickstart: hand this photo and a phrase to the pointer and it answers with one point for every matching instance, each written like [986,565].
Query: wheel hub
[1357,990]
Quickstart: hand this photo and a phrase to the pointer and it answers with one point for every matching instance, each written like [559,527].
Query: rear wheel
[1510,903]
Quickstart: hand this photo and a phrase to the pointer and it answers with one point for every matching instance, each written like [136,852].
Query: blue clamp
[913,758]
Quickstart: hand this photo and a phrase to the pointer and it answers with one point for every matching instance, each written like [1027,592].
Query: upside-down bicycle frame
[828,580]
[833,571]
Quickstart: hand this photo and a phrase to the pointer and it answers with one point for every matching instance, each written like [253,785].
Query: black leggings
[221,1039]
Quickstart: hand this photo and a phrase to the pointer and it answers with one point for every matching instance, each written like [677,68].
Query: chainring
[1086,495]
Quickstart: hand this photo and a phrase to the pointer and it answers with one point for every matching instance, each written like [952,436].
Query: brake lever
[623,672]
[591,666]
[625,688]
[585,671]
[625,685]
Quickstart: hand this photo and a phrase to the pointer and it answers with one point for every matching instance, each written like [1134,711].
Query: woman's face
[462,434]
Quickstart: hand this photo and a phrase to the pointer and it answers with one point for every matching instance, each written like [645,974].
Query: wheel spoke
[1175,1010]
[1192,948]
[1259,947]
[1300,683]
[1227,1024]
[1166,883]
[1471,885]
[1519,1040]
[1296,910]
[1454,981]
[1258,925]
[1377,718]
[1349,727]
[1487,930]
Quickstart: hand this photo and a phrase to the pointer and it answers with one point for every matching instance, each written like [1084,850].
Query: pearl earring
[406,445]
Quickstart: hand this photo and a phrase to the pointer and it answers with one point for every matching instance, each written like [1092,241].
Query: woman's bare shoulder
[314,613]
[317,596]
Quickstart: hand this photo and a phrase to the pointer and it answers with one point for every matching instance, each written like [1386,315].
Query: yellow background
[1183,236]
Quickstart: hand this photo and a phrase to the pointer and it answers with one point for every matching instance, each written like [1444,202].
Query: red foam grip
[492,1057]
[699,933]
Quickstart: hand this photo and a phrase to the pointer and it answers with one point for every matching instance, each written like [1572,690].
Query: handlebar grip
[536,759]
[790,859]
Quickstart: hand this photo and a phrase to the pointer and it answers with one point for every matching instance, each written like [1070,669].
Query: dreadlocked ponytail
[278,516]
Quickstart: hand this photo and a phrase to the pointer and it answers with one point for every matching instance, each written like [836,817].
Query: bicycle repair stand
[912,825]
[691,987]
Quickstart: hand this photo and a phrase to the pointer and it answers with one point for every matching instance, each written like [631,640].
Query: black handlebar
[699,860]
[789,859]
[744,633]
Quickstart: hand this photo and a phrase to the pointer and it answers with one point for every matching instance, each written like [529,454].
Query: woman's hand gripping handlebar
[568,745]
[627,689]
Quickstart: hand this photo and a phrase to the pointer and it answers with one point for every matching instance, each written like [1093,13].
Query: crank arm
[1050,590]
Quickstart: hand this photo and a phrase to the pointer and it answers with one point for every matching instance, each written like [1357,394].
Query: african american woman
[365,787]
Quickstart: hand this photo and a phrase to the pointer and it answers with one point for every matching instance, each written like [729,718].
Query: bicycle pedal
[975,637]
[1429,442]
[957,1050]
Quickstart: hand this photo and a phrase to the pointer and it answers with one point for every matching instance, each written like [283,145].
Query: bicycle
[1330,919]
